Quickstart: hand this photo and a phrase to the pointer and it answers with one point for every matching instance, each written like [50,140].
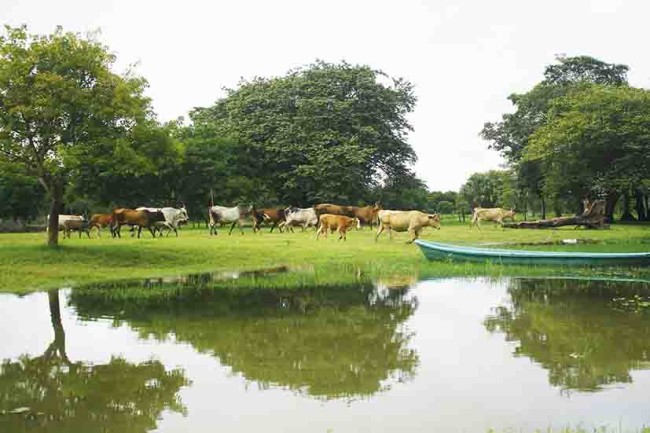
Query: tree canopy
[63,110]
[554,112]
[325,132]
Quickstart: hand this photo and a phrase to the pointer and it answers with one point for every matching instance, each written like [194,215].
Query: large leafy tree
[61,107]
[323,132]
[490,189]
[512,134]
[595,138]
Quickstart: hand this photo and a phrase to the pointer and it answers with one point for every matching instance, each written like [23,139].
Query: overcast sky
[464,57]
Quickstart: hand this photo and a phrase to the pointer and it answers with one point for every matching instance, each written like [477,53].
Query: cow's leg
[275,223]
[319,231]
[379,231]
[240,223]
[414,235]
[232,227]
[88,233]
[153,232]
[390,233]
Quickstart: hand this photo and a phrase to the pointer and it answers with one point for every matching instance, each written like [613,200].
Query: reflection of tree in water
[574,329]
[328,341]
[66,396]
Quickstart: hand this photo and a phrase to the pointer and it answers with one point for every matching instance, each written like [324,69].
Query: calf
[63,219]
[340,223]
[412,221]
[100,220]
[76,226]
[496,214]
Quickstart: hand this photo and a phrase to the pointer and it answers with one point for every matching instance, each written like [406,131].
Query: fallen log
[593,217]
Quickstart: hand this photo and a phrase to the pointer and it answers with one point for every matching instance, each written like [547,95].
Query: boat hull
[445,252]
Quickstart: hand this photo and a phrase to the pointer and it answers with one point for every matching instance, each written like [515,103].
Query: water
[461,355]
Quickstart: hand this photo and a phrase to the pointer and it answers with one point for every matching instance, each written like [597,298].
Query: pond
[464,355]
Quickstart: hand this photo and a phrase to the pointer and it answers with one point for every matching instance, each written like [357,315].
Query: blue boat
[438,251]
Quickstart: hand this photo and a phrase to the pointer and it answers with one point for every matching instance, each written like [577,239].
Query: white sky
[464,56]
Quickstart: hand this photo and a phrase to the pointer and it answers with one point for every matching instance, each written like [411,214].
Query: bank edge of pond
[26,265]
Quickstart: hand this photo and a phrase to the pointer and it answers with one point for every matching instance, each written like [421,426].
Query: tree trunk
[627,215]
[543,207]
[641,211]
[56,192]
[592,217]
[610,204]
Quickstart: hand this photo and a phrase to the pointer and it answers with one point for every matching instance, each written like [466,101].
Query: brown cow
[100,220]
[411,220]
[273,215]
[367,215]
[139,218]
[340,223]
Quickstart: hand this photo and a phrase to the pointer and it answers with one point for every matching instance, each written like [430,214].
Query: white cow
[234,215]
[304,217]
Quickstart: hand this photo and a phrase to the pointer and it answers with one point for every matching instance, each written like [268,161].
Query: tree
[60,103]
[21,196]
[489,189]
[594,139]
[320,133]
[403,191]
[512,134]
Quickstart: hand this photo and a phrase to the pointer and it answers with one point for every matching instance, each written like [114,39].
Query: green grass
[27,264]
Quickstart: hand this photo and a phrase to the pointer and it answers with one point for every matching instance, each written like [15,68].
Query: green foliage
[64,112]
[595,138]
[512,135]
[325,132]
[21,196]
[495,188]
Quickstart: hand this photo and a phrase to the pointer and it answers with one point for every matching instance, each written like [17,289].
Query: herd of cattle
[326,218]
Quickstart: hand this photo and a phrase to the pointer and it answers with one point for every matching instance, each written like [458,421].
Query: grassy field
[27,264]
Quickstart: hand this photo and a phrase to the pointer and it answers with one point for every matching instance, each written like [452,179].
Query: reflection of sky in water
[466,380]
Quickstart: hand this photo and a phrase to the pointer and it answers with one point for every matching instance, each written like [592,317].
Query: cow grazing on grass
[496,214]
[411,220]
[304,217]
[63,219]
[75,225]
[274,216]
[100,220]
[340,223]
[367,215]
[139,218]
[224,215]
